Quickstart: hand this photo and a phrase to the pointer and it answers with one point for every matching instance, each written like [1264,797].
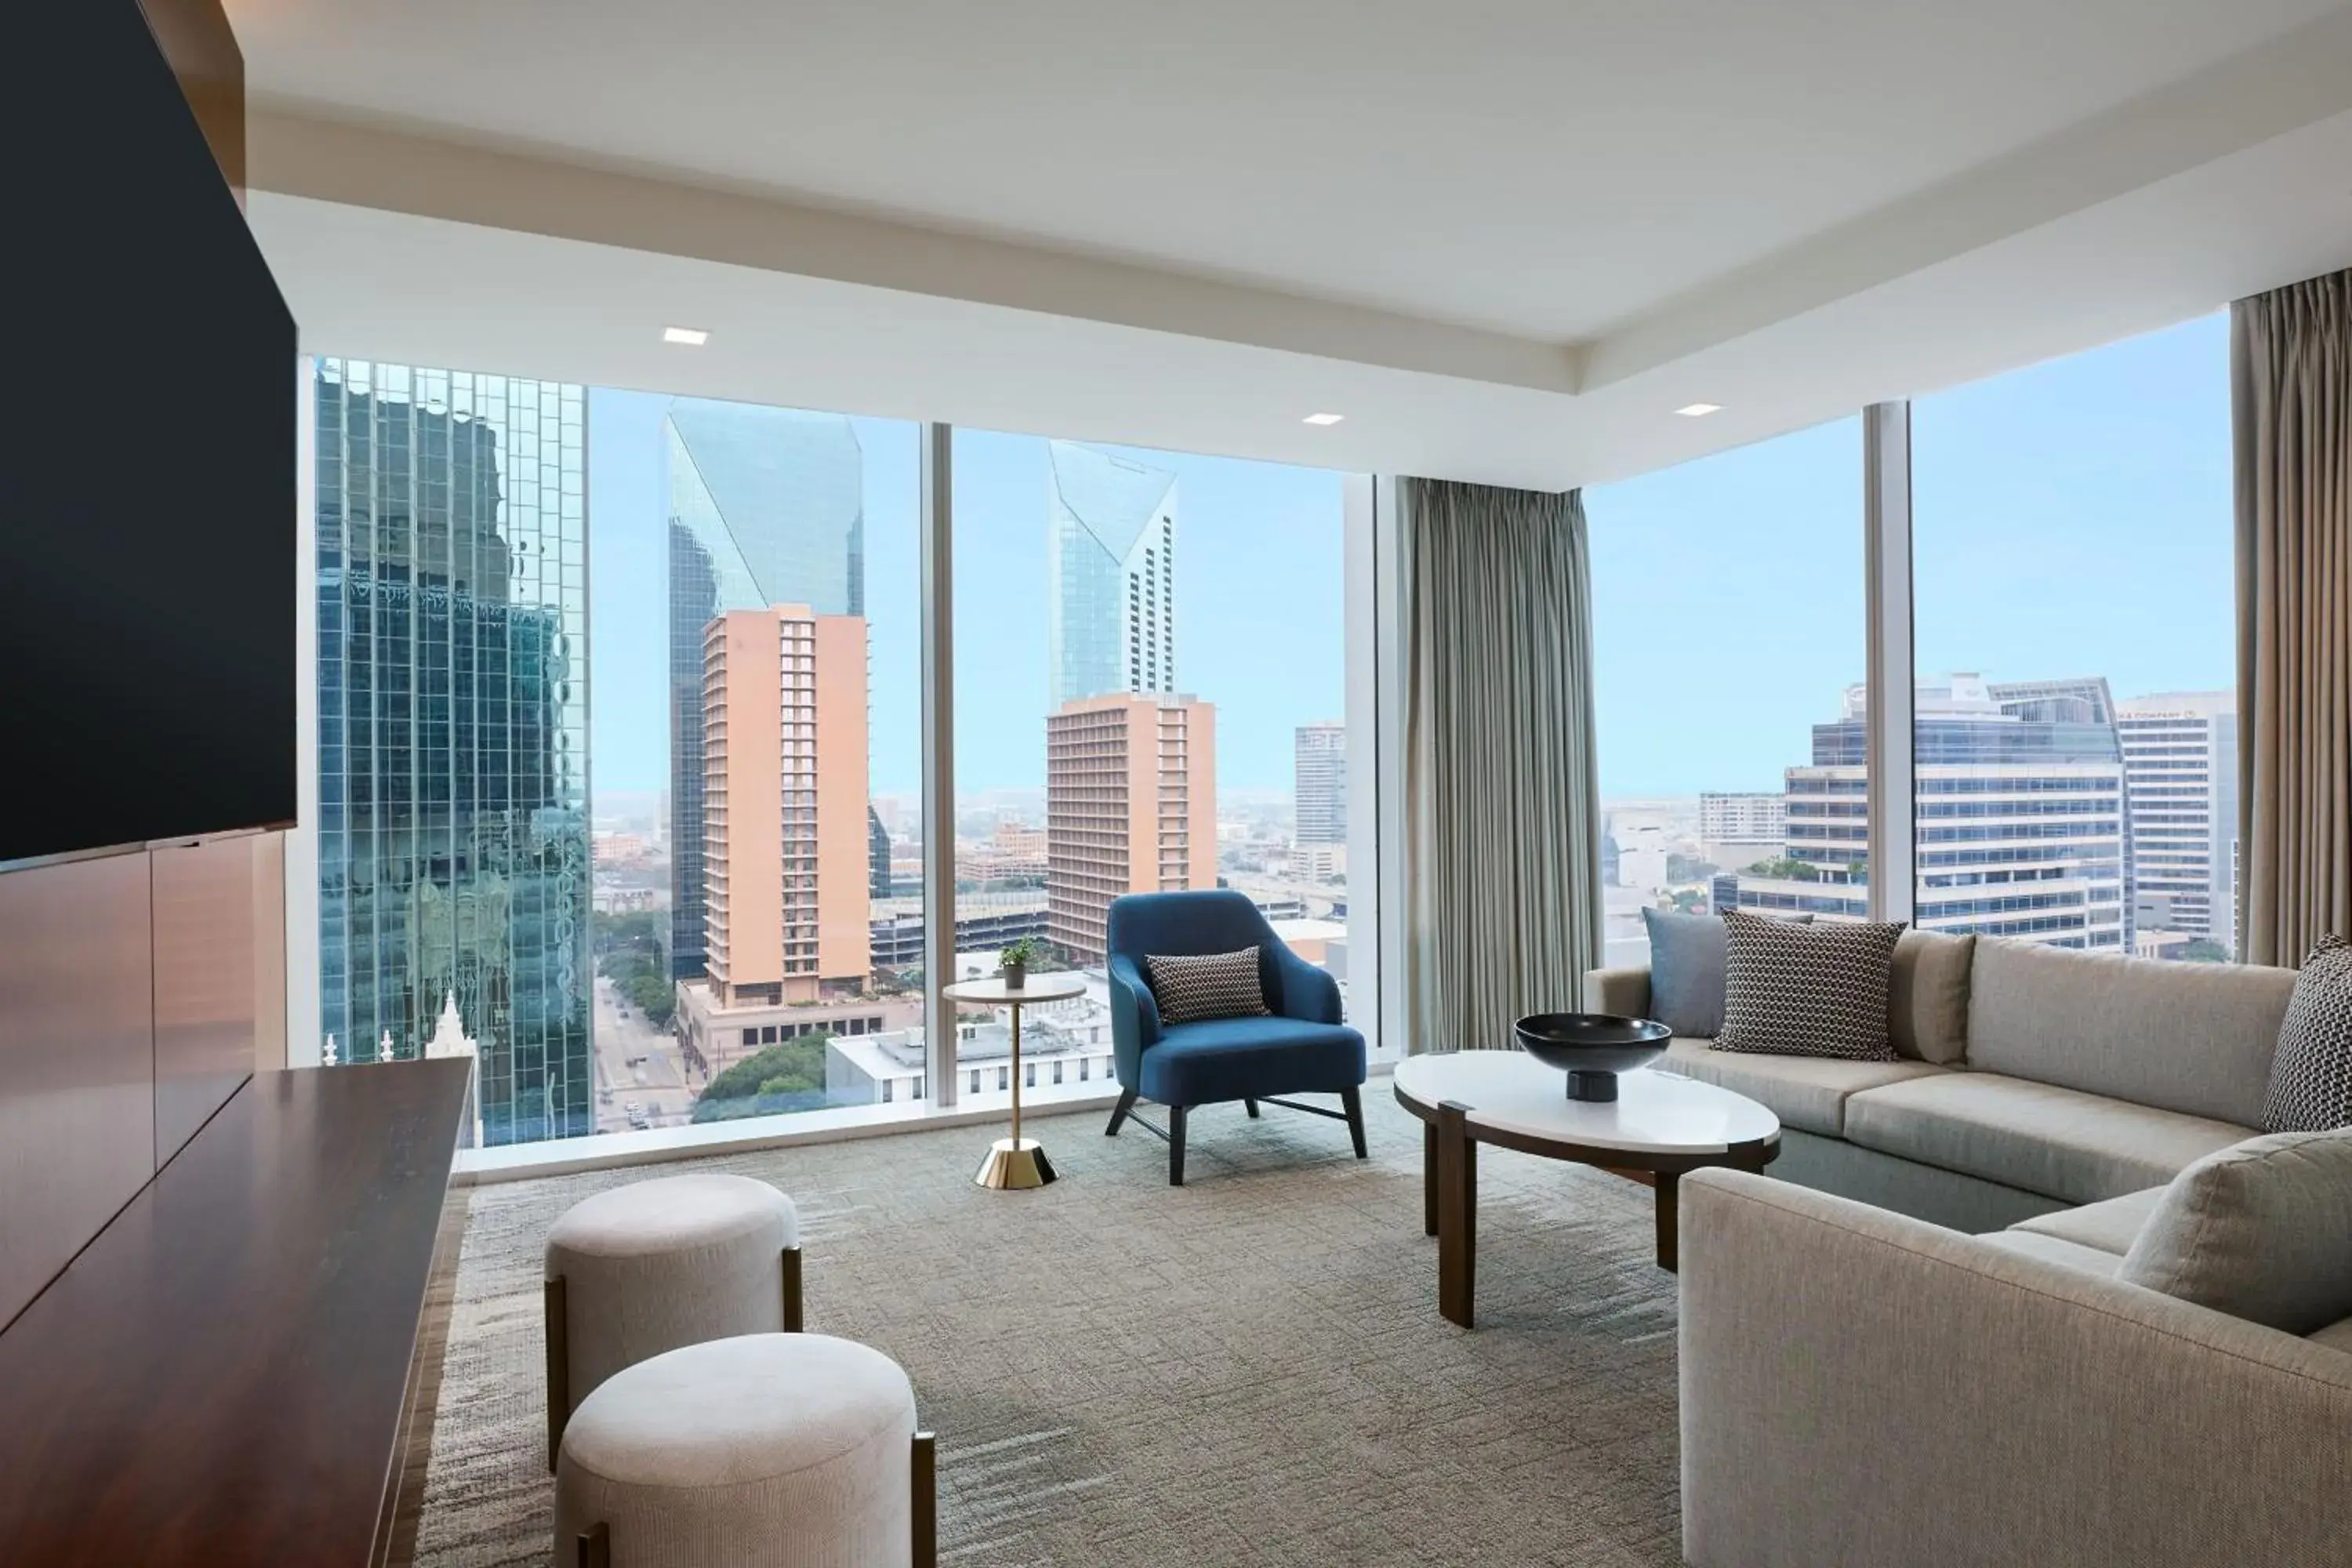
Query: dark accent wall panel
[207,1007]
[77,1061]
[147,464]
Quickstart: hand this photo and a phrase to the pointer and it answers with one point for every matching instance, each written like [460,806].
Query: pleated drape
[2290,392]
[1502,819]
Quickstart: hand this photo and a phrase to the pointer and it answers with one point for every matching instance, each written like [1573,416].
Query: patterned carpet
[1248,1369]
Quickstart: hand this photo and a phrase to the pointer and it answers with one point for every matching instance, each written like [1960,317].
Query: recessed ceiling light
[1699,410]
[1324,419]
[692,337]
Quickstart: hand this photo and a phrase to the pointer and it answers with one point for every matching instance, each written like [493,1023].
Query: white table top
[1653,1113]
[993,990]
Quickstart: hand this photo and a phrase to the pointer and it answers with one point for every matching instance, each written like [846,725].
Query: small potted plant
[1014,960]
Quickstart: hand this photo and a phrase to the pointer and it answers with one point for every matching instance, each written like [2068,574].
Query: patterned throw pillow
[1806,990]
[2311,1077]
[1200,987]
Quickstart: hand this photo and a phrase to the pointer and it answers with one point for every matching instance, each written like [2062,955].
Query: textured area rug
[1250,1369]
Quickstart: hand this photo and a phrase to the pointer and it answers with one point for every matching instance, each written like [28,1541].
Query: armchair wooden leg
[1250,1106]
[1175,1145]
[595,1545]
[559,1370]
[926,1501]
[1120,1111]
[792,1289]
[1352,1102]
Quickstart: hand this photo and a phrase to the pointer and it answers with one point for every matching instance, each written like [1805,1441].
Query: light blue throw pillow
[1687,967]
[1688,955]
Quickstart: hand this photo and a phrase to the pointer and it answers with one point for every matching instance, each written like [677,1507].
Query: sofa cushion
[1928,996]
[2311,1078]
[2111,1227]
[1249,1058]
[1807,1093]
[2335,1336]
[2192,1037]
[2072,1254]
[2262,1231]
[1806,991]
[2060,1142]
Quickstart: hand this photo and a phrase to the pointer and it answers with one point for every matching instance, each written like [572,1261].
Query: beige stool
[765,1451]
[653,1266]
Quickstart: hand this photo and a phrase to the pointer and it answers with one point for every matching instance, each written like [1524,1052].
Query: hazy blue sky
[1258,603]
[2071,519]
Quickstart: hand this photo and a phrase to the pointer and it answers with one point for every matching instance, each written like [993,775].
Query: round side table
[1015,1162]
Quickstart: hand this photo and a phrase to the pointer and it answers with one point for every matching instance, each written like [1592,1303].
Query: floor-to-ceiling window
[2076,732]
[1149,671]
[1728,656]
[619,722]
[621,738]
[757,737]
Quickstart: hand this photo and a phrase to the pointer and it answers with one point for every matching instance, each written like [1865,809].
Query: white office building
[1322,783]
[2181,779]
[1751,817]
[2020,814]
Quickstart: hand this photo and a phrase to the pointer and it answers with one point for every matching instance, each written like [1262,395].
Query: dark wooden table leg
[1458,1214]
[1669,1191]
[1429,1178]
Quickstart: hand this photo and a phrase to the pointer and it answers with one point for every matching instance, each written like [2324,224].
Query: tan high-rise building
[1130,807]
[785,876]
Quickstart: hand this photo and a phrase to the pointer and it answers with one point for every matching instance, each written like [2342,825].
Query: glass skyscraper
[452,696]
[1111,568]
[767,507]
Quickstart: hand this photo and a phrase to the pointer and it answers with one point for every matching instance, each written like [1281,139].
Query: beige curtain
[1502,799]
[2290,388]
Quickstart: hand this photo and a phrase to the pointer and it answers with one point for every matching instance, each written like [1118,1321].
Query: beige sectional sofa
[1861,1382]
[2029,1079]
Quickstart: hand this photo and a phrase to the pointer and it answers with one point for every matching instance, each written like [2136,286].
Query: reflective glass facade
[1111,568]
[453,695]
[766,507]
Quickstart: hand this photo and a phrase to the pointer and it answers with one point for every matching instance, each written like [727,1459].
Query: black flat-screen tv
[148,463]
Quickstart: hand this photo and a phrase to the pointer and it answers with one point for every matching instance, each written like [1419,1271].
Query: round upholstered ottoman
[764,1452]
[656,1265]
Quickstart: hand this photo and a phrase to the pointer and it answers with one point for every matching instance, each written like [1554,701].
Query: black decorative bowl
[1592,1049]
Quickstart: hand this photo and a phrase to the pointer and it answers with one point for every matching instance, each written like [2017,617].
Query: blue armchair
[1303,1048]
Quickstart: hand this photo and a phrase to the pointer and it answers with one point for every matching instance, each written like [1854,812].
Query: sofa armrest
[1862,1387]
[1624,992]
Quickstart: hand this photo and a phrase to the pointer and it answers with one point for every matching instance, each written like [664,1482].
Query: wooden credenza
[237,1369]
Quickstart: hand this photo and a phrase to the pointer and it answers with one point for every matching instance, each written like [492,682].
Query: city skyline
[2071,518]
[1264,643]
[765,506]
[2046,810]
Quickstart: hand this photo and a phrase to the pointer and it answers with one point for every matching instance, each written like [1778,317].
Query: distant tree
[788,1067]
[638,932]
[1785,869]
[651,994]
[1689,869]
[1690,902]
[2200,951]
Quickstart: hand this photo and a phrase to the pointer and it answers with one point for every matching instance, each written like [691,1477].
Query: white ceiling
[1504,237]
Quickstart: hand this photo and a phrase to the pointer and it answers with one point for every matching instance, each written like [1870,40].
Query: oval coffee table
[1658,1124]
